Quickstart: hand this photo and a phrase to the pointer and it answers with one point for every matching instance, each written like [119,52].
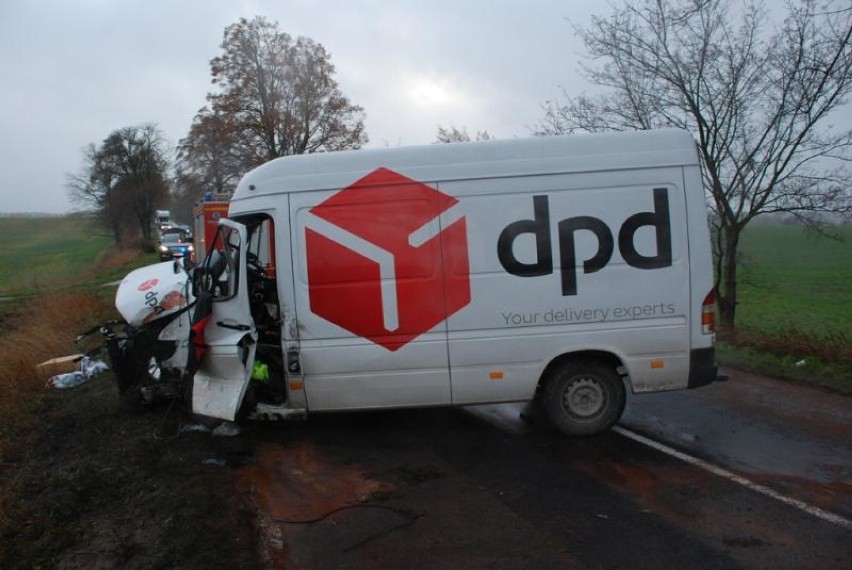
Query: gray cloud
[73,71]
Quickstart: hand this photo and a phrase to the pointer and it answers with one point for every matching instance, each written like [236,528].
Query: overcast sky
[72,71]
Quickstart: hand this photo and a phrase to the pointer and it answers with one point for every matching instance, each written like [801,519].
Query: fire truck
[205,220]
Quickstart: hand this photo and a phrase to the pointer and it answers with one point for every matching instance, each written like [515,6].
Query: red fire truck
[205,219]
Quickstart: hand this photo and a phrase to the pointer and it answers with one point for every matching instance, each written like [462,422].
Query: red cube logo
[380,263]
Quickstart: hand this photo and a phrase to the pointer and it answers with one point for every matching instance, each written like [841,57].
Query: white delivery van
[564,269]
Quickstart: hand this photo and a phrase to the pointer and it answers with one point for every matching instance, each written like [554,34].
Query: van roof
[471,160]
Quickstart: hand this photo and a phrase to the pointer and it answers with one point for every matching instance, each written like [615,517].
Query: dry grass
[115,258]
[830,347]
[86,483]
[45,328]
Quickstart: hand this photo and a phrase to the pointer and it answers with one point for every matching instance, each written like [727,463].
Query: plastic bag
[64,381]
[88,369]
[91,368]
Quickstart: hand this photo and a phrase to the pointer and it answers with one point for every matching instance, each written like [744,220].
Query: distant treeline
[44,215]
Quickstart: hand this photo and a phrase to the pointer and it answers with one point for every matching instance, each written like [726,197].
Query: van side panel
[362,294]
[574,243]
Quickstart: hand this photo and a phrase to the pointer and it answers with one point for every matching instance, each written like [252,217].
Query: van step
[267,412]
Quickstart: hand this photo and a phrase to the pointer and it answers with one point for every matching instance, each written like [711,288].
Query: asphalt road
[752,473]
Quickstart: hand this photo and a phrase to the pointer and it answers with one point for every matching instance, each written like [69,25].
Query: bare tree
[90,189]
[278,96]
[124,180]
[452,134]
[758,102]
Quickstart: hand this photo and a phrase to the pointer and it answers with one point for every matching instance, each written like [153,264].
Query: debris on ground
[227,429]
[59,365]
[86,370]
[215,462]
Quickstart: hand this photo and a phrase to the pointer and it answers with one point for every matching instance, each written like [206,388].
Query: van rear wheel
[583,397]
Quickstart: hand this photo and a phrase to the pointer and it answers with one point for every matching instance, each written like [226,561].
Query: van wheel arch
[582,393]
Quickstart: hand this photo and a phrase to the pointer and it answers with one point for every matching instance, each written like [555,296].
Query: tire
[583,397]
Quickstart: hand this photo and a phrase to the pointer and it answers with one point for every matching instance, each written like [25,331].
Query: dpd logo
[539,226]
[379,262]
[149,284]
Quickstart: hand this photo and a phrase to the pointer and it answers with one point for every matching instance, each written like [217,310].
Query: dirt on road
[95,486]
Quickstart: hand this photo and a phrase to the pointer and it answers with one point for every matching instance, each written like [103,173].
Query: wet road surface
[448,488]
[794,439]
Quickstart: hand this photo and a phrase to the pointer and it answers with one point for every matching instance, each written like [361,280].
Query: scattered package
[59,365]
[86,370]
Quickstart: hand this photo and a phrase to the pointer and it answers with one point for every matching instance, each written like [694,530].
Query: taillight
[708,313]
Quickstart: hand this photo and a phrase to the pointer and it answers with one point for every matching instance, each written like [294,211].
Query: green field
[792,279]
[41,253]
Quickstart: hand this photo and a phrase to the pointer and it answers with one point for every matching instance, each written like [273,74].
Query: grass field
[791,279]
[83,483]
[48,252]
[60,254]
[794,317]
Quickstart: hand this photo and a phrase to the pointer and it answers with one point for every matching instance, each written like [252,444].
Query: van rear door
[229,336]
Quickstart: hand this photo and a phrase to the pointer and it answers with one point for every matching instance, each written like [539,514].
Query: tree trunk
[144,227]
[727,295]
[144,221]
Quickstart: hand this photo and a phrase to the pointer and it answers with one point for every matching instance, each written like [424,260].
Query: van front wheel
[583,397]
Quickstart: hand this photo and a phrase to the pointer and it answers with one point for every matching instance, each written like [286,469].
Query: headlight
[164,249]
[189,248]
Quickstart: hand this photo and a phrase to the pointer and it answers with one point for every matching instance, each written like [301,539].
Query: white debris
[87,370]
[227,429]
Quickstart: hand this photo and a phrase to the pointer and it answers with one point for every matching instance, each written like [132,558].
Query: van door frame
[230,335]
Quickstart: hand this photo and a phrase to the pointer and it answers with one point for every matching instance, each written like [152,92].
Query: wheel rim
[584,398]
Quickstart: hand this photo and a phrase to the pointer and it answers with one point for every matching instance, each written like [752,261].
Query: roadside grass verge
[52,283]
[85,483]
[94,486]
[792,356]
[51,269]
[794,317]
[36,332]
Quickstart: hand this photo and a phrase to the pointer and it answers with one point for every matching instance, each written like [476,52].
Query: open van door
[229,334]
